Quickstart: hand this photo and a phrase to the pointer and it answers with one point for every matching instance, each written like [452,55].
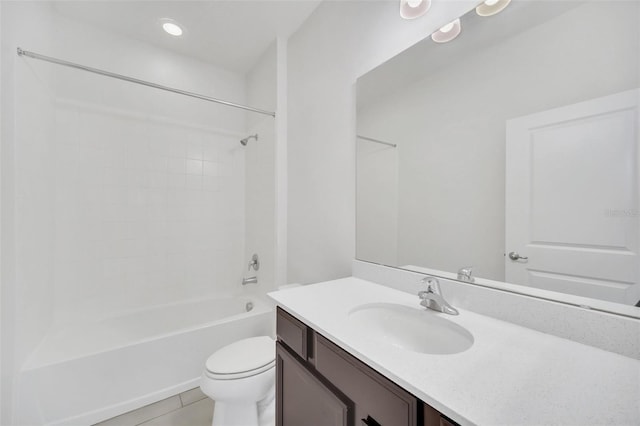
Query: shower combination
[248,138]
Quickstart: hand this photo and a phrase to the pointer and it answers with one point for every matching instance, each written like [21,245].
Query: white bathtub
[90,372]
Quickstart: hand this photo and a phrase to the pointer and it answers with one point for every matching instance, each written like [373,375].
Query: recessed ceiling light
[412,9]
[447,32]
[172,28]
[492,7]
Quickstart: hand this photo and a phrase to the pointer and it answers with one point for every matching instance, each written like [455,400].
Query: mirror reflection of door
[552,74]
[572,199]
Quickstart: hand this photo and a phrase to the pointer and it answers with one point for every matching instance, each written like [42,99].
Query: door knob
[515,256]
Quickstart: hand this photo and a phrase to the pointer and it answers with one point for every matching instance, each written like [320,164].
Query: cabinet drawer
[292,333]
[377,399]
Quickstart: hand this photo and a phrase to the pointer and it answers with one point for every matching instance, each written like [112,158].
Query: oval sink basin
[412,329]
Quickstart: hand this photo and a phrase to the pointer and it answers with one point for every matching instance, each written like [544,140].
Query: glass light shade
[412,9]
[492,7]
[447,32]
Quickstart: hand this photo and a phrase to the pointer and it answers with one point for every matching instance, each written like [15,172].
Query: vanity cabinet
[302,397]
[318,383]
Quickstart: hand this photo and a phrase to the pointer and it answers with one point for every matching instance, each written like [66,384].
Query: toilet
[240,378]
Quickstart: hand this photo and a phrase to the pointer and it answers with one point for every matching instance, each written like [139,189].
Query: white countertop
[510,376]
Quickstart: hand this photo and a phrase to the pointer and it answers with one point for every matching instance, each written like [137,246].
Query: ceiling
[231,34]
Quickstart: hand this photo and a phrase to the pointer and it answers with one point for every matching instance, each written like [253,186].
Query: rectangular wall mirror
[508,156]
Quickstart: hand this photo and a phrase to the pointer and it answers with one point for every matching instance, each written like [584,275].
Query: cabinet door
[301,398]
[377,400]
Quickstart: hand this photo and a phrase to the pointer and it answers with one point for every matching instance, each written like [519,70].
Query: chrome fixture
[515,256]
[466,274]
[247,139]
[250,280]
[432,297]
[141,82]
[365,138]
[254,263]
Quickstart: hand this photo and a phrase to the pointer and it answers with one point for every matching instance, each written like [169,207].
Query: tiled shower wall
[147,211]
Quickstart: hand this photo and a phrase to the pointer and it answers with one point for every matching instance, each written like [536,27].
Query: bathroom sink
[413,329]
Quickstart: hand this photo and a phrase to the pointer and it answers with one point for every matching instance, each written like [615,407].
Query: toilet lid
[247,355]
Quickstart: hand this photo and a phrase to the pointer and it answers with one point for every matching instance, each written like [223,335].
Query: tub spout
[250,280]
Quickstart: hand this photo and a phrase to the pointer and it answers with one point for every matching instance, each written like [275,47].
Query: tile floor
[190,408]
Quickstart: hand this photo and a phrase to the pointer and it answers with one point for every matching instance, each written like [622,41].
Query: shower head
[248,138]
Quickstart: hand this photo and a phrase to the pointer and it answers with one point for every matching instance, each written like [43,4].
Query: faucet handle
[433,285]
[466,274]
[254,263]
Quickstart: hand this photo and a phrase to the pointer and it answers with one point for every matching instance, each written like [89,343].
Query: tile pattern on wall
[146,211]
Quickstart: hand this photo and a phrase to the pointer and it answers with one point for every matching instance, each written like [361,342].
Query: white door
[572,191]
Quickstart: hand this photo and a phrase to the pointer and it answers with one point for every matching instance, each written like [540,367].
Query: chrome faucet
[432,297]
[466,274]
[250,280]
[254,264]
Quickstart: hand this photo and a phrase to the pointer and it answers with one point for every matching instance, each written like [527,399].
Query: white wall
[260,171]
[377,202]
[339,42]
[27,128]
[452,128]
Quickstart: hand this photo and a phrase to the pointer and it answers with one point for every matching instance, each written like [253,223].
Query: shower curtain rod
[376,141]
[141,82]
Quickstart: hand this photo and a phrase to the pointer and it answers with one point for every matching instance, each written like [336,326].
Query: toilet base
[267,409]
[261,414]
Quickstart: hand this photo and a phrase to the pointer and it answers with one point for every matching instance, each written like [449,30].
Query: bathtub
[90,372]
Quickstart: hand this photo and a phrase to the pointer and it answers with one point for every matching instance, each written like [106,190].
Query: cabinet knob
[369,421]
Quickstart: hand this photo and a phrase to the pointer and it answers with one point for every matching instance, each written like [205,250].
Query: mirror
[509,155]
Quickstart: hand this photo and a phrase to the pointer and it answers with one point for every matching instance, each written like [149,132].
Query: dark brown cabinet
[318,383]
[302,398]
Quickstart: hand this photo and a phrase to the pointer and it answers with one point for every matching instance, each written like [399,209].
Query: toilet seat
[244,358]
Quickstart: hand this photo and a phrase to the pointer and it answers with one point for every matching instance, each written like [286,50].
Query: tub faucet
[432,297]
[466,274]
[250,280]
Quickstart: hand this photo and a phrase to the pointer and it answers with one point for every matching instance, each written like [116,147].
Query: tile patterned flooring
[190,408]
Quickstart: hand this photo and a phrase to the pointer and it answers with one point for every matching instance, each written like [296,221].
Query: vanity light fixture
[171,27]
[412,9]
[492,7]
[448,32]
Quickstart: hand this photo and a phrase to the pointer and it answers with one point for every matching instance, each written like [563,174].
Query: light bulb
[448,32]
[172,29]
[447,27]
[412,9]
[492,7]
